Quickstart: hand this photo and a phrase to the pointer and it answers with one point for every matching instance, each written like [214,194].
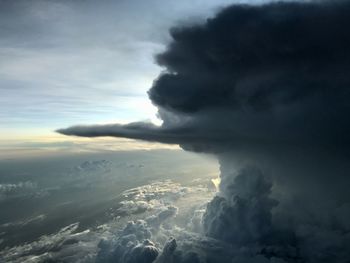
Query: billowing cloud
[274,73]
[243,214]
[265,88]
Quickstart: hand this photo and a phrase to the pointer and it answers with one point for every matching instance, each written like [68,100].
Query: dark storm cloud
[257,58]
[270,73]
[245,216]
[135,130]
[267,88]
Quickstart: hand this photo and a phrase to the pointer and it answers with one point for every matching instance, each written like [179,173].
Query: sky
[82,62]
[262,88]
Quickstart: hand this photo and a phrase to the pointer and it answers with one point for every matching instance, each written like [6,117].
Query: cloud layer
[130,237]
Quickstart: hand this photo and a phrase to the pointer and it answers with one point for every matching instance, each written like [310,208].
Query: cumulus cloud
[129,237]
[164,191]
[266,88]
[243,214]
[243,223]
[132,245]
[19,189]
[93,166]
[143,240]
